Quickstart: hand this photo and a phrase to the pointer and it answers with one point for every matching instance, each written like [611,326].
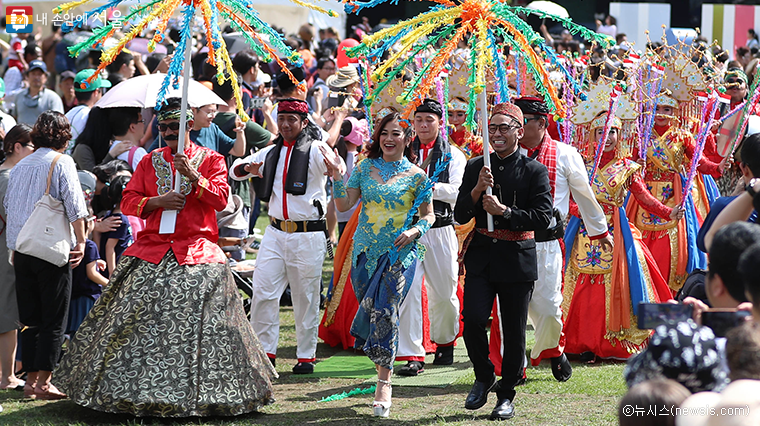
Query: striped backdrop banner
[635,19]
[728,24]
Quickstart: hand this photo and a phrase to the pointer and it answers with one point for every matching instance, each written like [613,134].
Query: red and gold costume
[597,302]
[668,158]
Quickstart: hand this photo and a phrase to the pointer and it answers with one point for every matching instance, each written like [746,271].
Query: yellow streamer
[71,5]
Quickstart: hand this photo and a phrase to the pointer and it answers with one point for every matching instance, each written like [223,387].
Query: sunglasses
[173,126]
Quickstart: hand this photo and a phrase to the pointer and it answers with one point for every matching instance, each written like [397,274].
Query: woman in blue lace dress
[392,189]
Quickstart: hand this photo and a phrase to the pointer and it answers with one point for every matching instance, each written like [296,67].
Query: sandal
[382,408]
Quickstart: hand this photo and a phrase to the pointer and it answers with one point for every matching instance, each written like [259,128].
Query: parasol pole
[486,145]
[169,217]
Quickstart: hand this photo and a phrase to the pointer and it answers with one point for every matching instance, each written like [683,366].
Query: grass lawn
[589,398]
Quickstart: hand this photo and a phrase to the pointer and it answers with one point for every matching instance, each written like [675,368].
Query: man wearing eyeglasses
[567,175]
[503,262]
[36,99]
[440,266]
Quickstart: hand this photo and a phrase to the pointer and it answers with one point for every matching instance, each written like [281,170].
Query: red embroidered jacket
[196,233]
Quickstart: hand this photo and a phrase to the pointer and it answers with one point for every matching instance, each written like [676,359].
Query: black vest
[298,168]
[443,211]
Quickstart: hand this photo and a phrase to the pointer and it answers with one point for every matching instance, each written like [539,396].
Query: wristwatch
[750,187]
[507,213]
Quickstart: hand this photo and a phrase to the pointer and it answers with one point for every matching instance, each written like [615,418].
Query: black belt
[291,226]
[440,221]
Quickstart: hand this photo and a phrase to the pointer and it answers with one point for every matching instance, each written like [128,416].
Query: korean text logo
[19,19]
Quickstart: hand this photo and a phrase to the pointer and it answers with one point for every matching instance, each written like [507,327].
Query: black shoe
[587,357]
[444,355]
[303,368]
[504,410]
[478,395]
[561,368]
[412,368]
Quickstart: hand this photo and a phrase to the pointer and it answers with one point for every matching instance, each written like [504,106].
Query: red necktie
[289,145]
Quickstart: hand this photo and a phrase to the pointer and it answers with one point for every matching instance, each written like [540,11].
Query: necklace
[389,169]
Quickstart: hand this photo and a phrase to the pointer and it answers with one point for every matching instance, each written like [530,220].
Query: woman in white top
[43,289]
[609,27]
[753,41]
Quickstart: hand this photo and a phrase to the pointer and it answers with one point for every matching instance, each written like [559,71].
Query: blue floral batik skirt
[375,326]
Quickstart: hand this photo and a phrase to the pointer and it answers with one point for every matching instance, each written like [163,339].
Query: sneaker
[412,368]
[444,355]
[303,368]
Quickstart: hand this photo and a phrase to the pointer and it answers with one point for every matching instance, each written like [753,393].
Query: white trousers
[441,274]
[410,320]
[545,309]
[283,259]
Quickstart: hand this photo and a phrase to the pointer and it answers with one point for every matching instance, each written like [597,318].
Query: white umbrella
[549,7]
[142,92]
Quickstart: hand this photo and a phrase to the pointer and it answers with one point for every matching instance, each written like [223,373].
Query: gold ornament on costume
[665,98]
[599,122]
[598,98]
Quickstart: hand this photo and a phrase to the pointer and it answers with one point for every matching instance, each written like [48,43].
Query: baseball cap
[97,83]
[67,74]
[37,65]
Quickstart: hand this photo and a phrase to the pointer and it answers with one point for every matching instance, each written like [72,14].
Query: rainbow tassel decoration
[240,13]
[445,25]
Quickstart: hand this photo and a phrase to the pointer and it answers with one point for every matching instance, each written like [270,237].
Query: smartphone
[653,314]
[723,320]
[257,103]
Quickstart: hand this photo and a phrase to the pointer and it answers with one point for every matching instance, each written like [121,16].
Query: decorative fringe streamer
[649,113]
[614,102]
[353,392]
[423,194]
[498,60]
[364,83]
[749,106]
[708,112]
[445,103]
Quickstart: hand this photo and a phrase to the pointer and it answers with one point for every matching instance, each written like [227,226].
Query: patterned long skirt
[167,340]
[375,325]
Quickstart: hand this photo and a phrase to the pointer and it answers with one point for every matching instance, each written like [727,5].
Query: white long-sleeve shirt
[572,178]
[300,207]
[447,192]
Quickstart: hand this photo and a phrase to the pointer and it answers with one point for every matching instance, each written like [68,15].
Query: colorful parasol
[491,25]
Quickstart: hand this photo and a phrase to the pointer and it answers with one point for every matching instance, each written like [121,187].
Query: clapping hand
[332,162]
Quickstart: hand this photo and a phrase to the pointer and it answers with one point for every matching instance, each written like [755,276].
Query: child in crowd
[113,243]
[86,282]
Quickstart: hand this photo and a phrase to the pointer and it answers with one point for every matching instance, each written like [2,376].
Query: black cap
[283,80]
[432,106]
